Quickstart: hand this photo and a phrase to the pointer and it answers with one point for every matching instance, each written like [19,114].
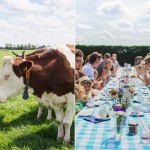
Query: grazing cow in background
[48,73]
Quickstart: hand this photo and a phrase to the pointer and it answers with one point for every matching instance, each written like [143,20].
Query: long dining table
[101,135]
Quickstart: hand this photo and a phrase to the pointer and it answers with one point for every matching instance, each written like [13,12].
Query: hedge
[125,54]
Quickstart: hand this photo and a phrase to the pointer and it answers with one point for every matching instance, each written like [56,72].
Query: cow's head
[12,77]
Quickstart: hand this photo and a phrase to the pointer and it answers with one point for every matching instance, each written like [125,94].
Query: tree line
[125,54]
[10,46]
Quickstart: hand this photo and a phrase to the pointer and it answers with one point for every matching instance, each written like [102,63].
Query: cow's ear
[25,66]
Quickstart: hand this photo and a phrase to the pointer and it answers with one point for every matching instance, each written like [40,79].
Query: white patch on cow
[67,52]
[54,100]
[12,85]
[57,103]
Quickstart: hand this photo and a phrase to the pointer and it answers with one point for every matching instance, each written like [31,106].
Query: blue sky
[113,22]
[37,22]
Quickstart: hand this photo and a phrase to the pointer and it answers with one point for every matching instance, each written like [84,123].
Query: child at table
[80,98]
[87,84]
[83,92]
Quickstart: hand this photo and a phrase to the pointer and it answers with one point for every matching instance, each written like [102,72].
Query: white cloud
[116,22]
[51,23]
[84,26]
[62,8]
[1,8]
[36,29]
[111,8]
[25,5]
[36,23]
[106,35]
[65,13]
[60,3]
[125,23]
[146,7]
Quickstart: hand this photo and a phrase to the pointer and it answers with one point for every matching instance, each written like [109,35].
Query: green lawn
[19,128]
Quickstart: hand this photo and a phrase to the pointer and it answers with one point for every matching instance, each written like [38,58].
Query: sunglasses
[80,61]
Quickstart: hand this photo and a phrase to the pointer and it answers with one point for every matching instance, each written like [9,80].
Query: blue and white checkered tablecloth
[100,136]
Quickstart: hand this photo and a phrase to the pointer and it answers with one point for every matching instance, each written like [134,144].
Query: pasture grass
[21,130]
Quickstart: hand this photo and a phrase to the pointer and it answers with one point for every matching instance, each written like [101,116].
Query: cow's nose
[7,76]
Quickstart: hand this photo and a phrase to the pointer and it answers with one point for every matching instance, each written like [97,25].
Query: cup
[103,113]
[91,102]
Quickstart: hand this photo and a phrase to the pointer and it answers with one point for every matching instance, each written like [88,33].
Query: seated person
[101,79]
[115,62]
[87,84]
[88,69]
[80,98]
[100,67]
[78,63]
[106,73]
[141,72]
[137,60]
[147,66]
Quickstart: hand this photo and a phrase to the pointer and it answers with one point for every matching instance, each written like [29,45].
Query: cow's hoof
[67,142]
[60,139]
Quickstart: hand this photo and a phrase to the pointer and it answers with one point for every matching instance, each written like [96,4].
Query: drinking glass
[91,102]
[145,135]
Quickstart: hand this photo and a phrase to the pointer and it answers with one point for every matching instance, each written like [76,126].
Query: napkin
[91,119]
[145,110]
[136,101]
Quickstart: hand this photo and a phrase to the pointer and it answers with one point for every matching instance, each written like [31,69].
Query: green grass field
[21,130]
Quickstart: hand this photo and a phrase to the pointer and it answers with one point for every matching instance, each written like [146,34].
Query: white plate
[101,102]
[144,88]
[136,115]
[97,117]
[97,97]
[86,112]
[96,103]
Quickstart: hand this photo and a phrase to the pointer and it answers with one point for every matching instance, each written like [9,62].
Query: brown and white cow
[51,80]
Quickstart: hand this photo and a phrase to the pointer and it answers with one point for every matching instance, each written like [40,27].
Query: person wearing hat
[89,92]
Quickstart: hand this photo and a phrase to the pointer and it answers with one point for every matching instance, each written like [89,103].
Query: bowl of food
[113,93]
[132,76]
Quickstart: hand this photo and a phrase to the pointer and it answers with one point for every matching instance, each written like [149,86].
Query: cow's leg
[59,118]
[40,106]
[49,116]
[68,117]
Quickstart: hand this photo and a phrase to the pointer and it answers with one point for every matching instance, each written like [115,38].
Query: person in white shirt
[88,69]
[115,61]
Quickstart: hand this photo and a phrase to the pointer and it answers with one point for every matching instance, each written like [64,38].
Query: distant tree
[29,46]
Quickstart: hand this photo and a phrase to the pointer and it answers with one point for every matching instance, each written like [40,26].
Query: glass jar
[133,128]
